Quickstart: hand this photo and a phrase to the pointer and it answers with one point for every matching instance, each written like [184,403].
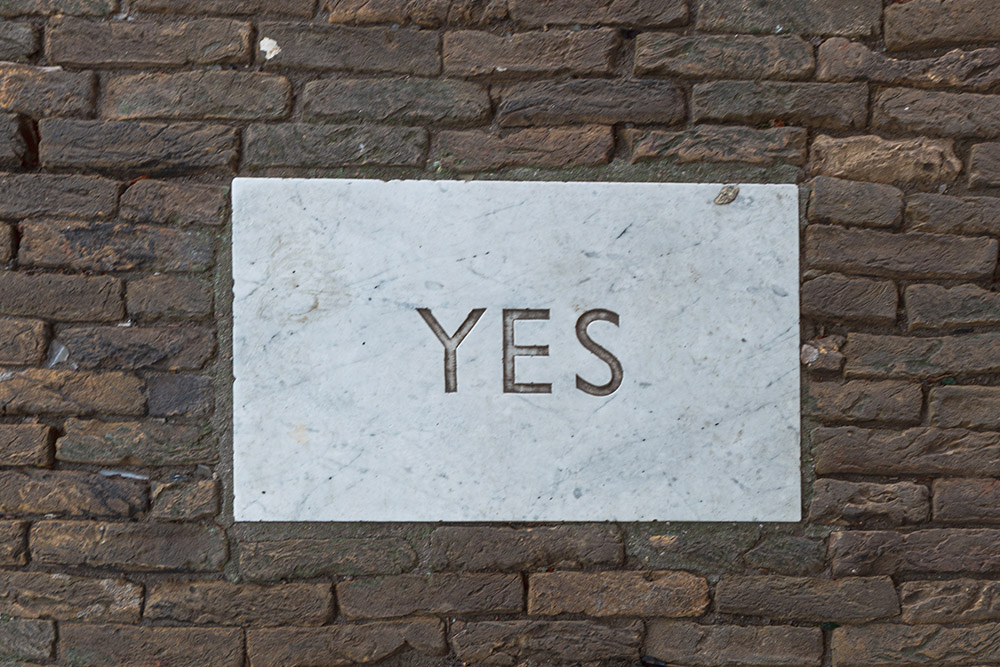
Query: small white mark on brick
[269,47]
[809,354]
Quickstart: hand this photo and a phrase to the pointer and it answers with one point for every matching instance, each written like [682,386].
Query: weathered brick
[709,645]
[850,600]
[13,149]
[299,8]
[133,347]
[544,642]
[936,307]
[951,601]
[126,146]
[13,542]
[224,603]
[889,402]
[553,52]
[180,395]
[26,195]
[324,557]
[63,392]
[344,644]
[170,203]
[900,356]
[168,297]
[303,145]
[49,7]
[22,341]
[105,246]
[937,113]
[482,150]
[208,95]
[134,443]
[70,41]
[441,594]
[822,354]
[18,40]
[26,445]
[891,644]
[853,203]
[933,550]
[966,406]
[28,639]
[496,548]
[966,500]
[708,143]
[184,501]
[849,18]
[69,298]
[396,100]
[128,546]
[46,91]
[984,165]
[899,255]
[429,13]
[100,645]
[829,105]
[639,593]
[375,50]
[633,14]
[840,59]
[952,215]
[723,56]
[923,23]
[851,503]
[590,101]
[70,493]
[787,554]
[7,249]
[69,598]
[838,297]
[872,158]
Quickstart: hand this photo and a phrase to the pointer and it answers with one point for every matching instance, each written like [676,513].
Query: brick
[46,91]
[544,642]
[966,500]
[70,493]
[303,145]
[27,195]
[899,356]
[496,548]
[26,445]
[18,40]
[822,355]
[13,542]
[723,56]
[49,7]
[965,406]
[635,14]
[70,41]
[22,341]
[924,23]
[788,554]
[590,101]
[852,203]
[872,158]
[890,644]
[936,307]
[7,243]
[224,603]
[922,551]
[828,105]
[208,95]
[984,165]
[68,298]
[889,402]
[324,557]
[168,297]
[659,547]
[853,503]
[936,113]
[13,150]
[553,52]
[127,146]
[133,347]
[482,150]
[396,100]
[473,13]
[122,644]
[840,59]
[129,546]
[184,501]
[837,297]
[344,644]
[952,215]
[709,143]
[848,18]
[69,598]
[428,13]
[441,594]
[169,203]
[28,639]
[179,395]
[899,255]
[103,246]
[374,50]
[710,645]
[642,593]
[851,600]
[298,8]
[951,601]
[134,443]
[64,392]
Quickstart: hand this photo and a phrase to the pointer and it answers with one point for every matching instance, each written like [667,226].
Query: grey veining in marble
[340,405]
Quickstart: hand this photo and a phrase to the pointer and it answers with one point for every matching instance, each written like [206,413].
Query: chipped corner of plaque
[727,195]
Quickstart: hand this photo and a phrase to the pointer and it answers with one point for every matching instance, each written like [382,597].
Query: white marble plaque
[618,351]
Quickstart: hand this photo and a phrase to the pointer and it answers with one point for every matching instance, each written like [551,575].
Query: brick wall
[121,125]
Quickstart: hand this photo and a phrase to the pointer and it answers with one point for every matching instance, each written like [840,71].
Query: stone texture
[723,56]
[27,639]
[822,354]
[7,249]
[49,7]
[827,105]
[22,341]
[966,500]
[178,647]
[67,597]
[984,165]
[66,298]
[164,348]
[64,392]
[306,558]
[589,101]
[129,546]
[396,100]
[298,8]
[168,297]
[26,445]
[70,493]
[967,406]
[184,501]
[644,593]
[890,644]
[852,203]
[170,203]
[224,603]
[936,113]
[481,150]
[428,13]
[180,395]
[134,443]
[303,145]
[27,195]
[18,40]
[845,503]
[950,601]
[851,600]
[923,551]
[632,14]
[441,594]
[497,548]
[872,158]
[837,297]
[952,215]
[899,356]
[924,23]
[14,152]
[553,52]
[46,91]
[710,645]
[889,402]
[899,255]
[937,307]
[710,143]
[544,642]
[849,18]
[13,542]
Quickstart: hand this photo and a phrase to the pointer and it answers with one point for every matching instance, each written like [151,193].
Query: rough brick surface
[852,203]
[827,105]
[305,145]
[223,603]
[889,402]
[46,91]
[180,500]
[180,395]
[916,645]
[953,215]
[590,101]
[923,23]
[872,158]
[48,7]
[649,593]
[852,18]
[635,14]
[7,250]
[167,203]
[168,297]
[133,348]
[899,356]
[473,53]
[13,542]
[923,551]
[297,8]
[850,503]
[966,500]
[13,149]
[936,307]
[708,645]
[65,392]
[70,598]
[723,56]
[396,100]
[18,40]
[984,165]
[709,143]
[27,639]
[850,600]
[936,113]
[443,594]
[478,150]
[72,298]
[25,195]
[26,445]
[838,297]
[330,557]
[496,548]
[120,644]
[546,642]
[70,493]
[950,601]
[22,341]
[134,443]
[967,406]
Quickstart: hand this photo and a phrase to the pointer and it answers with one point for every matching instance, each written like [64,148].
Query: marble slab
[619,351]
